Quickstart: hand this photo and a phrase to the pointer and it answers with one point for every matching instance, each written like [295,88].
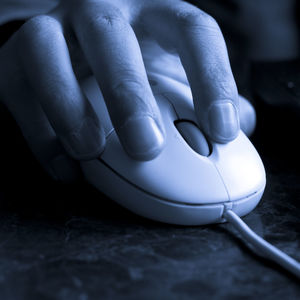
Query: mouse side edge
[144,204]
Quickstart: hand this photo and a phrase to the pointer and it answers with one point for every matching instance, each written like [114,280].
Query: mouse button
[178,173]
[194,137]
[152,207]
[240,167]
[95,97]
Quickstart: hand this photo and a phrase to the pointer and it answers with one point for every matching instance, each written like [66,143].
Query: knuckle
[100,17]
[36,37]
[38,29]
[109,19]
[125,88]
[194,18]
[130,97]
[38,24]
[106,22]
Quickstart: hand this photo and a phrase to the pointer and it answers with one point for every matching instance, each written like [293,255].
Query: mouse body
[192,180]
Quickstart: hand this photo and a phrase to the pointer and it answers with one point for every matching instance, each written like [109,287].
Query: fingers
[113,53]
[46,62]
[202,50]
[41,137]
[20,100]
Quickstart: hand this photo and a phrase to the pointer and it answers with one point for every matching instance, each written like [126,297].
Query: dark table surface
[70,242]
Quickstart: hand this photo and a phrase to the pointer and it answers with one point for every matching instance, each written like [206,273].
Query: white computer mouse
[192,179]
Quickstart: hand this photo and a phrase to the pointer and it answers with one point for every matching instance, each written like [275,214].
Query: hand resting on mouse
[44,62]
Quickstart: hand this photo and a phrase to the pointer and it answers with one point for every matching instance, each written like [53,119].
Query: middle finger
[114,55]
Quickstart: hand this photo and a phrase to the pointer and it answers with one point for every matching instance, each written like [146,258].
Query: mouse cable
[263,247]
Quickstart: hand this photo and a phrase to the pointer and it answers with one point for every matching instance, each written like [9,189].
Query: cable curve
[268,250]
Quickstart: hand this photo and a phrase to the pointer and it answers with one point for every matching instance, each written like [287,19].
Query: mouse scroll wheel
[193,136]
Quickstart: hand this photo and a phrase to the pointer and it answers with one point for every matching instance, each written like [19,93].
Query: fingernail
[85,142]
[141,138]
[63,168]
[223,121]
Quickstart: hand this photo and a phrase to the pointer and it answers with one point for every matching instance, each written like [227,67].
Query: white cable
[268,250]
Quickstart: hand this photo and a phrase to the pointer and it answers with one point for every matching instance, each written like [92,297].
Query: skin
[43,64]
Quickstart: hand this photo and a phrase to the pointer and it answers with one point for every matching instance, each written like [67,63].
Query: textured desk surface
[69,242]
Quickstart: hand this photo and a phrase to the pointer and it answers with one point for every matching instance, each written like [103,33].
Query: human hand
[43,63]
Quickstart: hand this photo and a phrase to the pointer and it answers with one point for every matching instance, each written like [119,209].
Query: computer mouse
[192,181]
